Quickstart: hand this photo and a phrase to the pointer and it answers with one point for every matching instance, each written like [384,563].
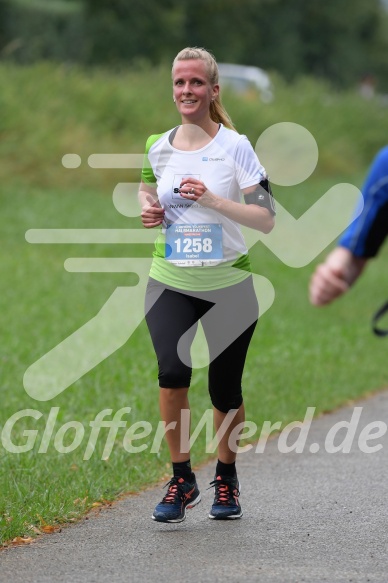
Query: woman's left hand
[249,215]
[193,189]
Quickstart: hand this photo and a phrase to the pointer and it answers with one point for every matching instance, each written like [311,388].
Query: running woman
[194,183]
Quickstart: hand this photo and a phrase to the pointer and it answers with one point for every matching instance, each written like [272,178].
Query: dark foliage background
[338,40]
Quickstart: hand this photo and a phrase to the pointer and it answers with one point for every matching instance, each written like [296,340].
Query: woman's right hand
[152,213]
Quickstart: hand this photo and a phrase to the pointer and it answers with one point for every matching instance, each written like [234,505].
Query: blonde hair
[217,111]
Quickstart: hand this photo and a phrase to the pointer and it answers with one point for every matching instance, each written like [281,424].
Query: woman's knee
[174,377]
[225,401]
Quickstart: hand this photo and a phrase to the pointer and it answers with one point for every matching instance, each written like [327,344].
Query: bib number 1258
[194,245]
[190,244]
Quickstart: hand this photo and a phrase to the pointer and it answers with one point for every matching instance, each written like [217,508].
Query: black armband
[262,196]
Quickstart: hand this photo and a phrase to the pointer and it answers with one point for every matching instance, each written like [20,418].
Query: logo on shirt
[176,186]
[206,159]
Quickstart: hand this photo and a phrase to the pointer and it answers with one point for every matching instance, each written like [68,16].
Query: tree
[32,30]
[123,31]
[336,41]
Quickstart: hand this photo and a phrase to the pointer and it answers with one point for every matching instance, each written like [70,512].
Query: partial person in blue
[360,242]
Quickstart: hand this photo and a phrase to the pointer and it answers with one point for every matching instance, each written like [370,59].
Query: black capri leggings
[228,316]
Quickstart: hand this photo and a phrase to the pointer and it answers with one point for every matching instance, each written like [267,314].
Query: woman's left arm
[250,215]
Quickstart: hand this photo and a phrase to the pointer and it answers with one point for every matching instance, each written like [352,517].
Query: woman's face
[192,90]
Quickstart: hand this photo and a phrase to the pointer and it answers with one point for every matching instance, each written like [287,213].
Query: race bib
[192,245]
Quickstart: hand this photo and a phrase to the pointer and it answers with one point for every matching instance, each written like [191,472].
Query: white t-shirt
[226,165]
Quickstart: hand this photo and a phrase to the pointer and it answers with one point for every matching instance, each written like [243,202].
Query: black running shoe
[180,495]
[226,493]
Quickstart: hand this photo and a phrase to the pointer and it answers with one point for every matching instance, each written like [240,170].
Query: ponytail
[219,114]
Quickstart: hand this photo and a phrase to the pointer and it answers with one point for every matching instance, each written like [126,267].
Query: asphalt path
[312,517]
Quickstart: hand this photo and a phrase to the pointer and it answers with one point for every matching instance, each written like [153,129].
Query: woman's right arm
[152,214]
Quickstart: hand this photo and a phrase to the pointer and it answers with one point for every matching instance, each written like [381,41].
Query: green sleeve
[147,174]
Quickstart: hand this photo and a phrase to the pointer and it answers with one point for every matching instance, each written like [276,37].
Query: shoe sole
[232,517]
[175,520]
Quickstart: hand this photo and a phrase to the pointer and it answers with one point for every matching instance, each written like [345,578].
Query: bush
[49,110]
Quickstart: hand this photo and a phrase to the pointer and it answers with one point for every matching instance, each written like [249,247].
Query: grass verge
[300,357]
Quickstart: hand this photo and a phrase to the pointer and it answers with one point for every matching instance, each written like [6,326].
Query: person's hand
[327,284]
[193,189]
[333,278]
[152,213]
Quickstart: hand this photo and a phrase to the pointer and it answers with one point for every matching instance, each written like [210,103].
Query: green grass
[300,356]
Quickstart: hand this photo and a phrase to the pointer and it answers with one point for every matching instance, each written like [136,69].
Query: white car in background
[241,78]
